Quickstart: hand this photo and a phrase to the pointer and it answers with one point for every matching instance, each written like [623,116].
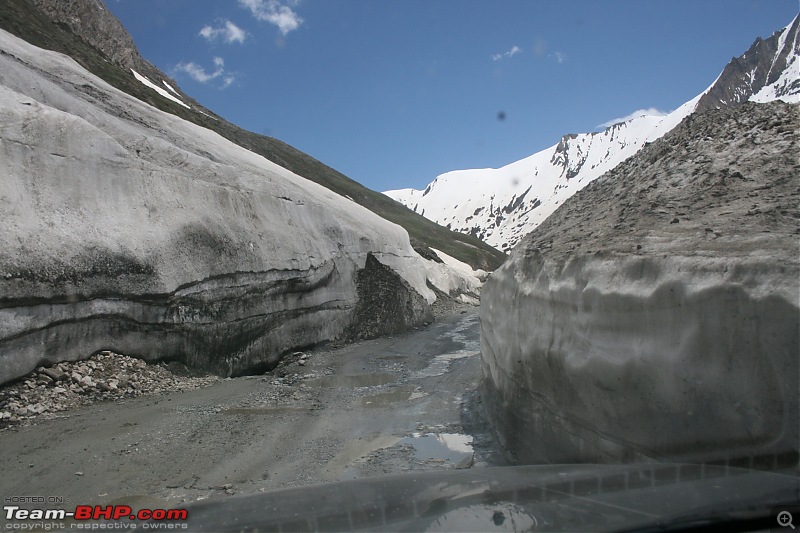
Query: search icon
[785,519]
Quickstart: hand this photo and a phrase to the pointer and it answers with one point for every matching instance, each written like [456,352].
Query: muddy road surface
[390,405]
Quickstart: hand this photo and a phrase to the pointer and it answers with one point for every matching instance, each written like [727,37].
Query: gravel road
[388,405]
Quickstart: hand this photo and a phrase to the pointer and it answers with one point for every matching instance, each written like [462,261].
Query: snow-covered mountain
[502,205]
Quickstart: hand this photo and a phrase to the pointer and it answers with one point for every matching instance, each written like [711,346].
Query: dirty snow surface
[126,228]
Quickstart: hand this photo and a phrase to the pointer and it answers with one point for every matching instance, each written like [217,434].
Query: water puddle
[453,447]
[336,469]
[352,380]
[389,399]
[441,364]
[466,333]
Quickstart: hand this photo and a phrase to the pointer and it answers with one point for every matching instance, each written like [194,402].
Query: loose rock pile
[105,376]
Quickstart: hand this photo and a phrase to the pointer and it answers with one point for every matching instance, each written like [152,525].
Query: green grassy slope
[21,18]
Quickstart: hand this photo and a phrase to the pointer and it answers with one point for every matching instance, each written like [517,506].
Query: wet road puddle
[452,447]
[352,380]
[441,364]
[355,449]
[394,396]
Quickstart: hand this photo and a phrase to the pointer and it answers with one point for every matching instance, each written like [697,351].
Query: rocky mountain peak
[764,63]
[727,168]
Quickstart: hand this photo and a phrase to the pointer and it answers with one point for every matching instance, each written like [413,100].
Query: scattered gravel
[106,376]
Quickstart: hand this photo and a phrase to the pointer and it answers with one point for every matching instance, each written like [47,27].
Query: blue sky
[394,92]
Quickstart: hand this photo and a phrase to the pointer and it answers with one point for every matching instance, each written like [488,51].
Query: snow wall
[609,360]
[128,229]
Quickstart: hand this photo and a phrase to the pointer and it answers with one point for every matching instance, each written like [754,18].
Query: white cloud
[227,81]
[651,111]
[276,12]
[511,53]
[196,72]
[560,56]
[199,73]
[228,31]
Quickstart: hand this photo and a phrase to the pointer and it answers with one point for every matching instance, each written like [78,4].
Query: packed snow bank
[655,315]
[452,275]
[129,229]
[631,358]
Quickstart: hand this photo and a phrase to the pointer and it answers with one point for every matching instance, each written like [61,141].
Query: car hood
[542,498]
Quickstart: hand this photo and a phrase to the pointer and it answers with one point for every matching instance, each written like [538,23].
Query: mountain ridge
[735,86]
[502,205]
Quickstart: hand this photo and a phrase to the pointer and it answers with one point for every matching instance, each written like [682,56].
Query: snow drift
[129,229]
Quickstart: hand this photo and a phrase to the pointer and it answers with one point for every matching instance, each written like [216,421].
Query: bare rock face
[129,229]
[92,22]
[769,62]
[387,304]
[655,315]
[95,24]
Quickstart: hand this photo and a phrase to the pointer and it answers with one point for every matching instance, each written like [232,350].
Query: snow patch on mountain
[500,206]
[787,86]
[145,81]
[168,86]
